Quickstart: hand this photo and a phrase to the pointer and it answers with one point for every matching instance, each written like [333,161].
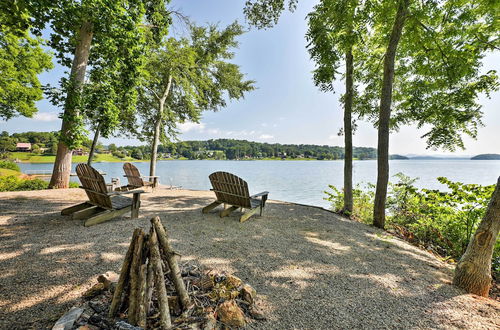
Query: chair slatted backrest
[133,175]
[230,189]
[95,186]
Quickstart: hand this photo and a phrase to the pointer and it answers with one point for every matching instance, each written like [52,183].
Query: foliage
[186,76]
[442,221]
[437,76]
[238,149]
[22,59]
[47,140]
[9,165]
[363,201]
[266,13]
[13,183]
[335,28]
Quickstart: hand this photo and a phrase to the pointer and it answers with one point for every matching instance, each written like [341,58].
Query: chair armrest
[135,191]
[264,193]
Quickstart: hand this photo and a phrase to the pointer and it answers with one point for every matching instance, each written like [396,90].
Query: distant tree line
[242,149]
[41,142]
[46,143]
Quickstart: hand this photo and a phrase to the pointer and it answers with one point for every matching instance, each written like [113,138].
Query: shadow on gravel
[311,268]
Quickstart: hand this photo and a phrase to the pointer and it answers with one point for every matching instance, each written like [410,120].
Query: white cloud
[46,116]
[190,126]
[333,137]
[213,131]
[266,137]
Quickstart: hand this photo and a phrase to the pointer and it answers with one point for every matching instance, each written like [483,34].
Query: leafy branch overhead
[201,78]
[186,76]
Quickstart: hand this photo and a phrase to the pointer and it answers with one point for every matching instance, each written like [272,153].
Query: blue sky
[286,107]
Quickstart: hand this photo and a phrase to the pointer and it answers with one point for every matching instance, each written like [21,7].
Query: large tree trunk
[348,199]
[94,144]
[385,115]
[473,271]
[156,137]
[62,164]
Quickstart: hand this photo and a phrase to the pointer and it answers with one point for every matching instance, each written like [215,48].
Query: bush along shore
[11,179]
[442,222]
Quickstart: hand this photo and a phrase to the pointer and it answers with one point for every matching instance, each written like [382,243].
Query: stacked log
[143,271]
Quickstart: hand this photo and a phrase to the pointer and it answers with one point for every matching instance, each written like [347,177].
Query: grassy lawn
[27,157]
[7,172]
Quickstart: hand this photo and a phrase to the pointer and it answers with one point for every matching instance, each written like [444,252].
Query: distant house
[80,152]
[25,147]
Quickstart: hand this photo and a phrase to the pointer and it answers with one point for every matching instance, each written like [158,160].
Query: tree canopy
[22,59]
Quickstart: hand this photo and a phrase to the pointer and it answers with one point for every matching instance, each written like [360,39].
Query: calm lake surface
[301,181]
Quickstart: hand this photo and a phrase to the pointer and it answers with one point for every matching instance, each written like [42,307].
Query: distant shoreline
[247,160]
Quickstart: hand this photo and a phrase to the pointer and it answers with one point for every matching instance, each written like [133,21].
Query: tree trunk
[156,137]
[62,164]
[348,199]
[94,144]
[154,147]
[385,115]
[473,271]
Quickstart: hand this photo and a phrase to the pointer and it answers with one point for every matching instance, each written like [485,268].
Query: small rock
[67,320]
[108,279]
[248,293]
[256,313]
[94,290]
[231,314]
[122,325]
[98,307]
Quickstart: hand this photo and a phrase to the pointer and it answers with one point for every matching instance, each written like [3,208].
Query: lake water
[301,181]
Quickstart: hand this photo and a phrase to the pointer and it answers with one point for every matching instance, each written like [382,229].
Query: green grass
[27,157]
[7,172]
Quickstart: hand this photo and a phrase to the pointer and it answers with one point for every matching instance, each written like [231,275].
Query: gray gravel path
[311,268]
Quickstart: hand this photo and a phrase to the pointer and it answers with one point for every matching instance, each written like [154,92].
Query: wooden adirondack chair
[102,205]
[232,190]
[136,180]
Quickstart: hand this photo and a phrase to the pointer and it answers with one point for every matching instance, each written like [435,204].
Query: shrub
[9,165]
[74,184]
[362,201]
[13,183]
[35,184]
[442,221]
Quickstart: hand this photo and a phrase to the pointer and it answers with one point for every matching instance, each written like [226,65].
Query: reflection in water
[301,181]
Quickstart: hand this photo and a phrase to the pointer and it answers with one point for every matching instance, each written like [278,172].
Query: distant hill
[400,157]
[437,158]
[486,157]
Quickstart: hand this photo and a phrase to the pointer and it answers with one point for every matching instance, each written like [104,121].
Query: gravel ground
[311,268]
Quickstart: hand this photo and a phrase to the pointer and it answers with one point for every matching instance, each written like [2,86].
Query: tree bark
[473,271]
[94,144]
[349,89]
[156,137]
[154,147]
[62,165]
[385,115]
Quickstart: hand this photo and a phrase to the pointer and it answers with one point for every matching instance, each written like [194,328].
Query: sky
[286,107]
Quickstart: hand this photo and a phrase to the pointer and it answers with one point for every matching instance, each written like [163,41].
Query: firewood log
[134,279]
[161,290]
[172,262]
[124,274]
